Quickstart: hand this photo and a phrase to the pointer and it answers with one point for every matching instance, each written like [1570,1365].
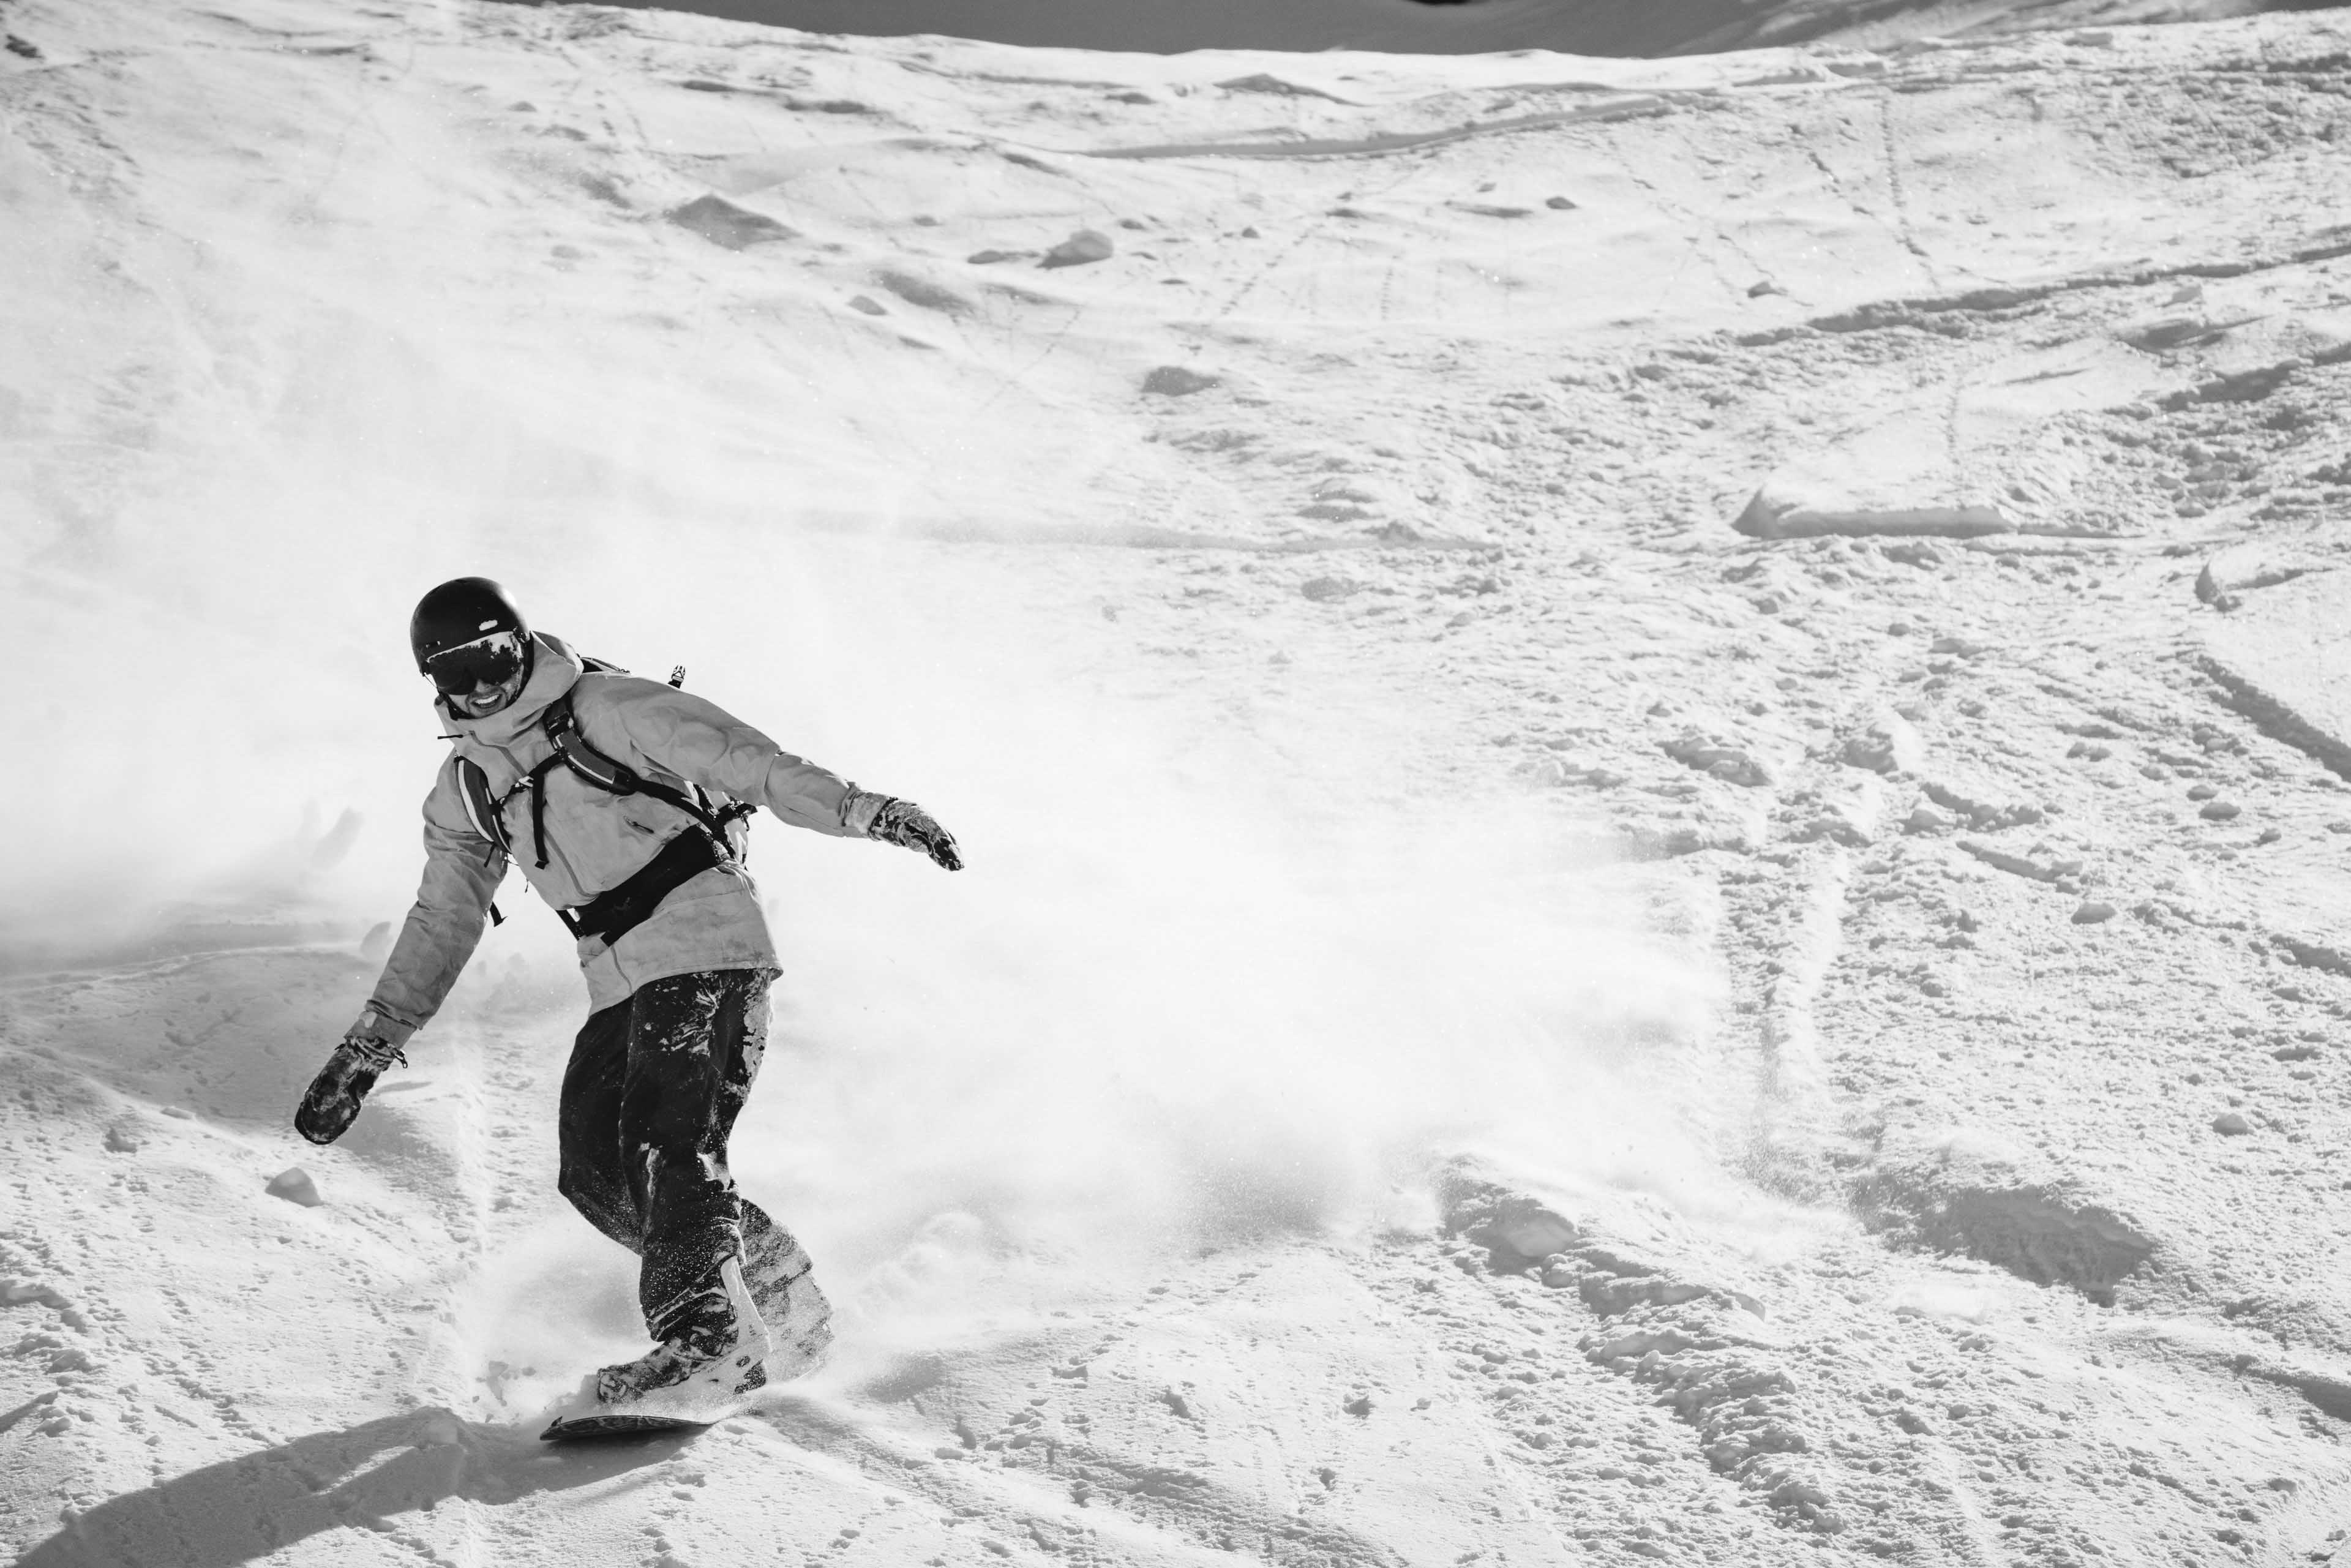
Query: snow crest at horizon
[1627,27]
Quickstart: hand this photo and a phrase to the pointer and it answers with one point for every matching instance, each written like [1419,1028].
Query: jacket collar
[555,668]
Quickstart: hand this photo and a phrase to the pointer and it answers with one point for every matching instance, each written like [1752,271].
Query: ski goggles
[492,660]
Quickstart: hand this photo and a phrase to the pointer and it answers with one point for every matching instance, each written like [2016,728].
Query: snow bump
[722,222]
[2047,1232]
[294,1184]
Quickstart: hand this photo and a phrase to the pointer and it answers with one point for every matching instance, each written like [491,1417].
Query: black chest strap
[616,912]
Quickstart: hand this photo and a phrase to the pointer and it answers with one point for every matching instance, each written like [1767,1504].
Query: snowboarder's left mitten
[907,825]
[334,1097]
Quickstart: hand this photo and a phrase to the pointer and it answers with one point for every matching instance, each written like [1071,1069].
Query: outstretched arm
[701,741]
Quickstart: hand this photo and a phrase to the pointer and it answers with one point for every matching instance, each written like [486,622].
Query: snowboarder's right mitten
[334,1097]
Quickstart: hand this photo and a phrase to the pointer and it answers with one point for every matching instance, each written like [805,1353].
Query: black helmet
[463,609]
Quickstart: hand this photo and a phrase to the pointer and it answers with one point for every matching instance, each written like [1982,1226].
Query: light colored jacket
[595,840]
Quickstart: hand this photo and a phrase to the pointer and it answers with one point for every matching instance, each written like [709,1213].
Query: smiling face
[488,697]
[481,677]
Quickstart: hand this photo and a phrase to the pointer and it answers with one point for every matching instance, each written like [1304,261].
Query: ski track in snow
[2015,856]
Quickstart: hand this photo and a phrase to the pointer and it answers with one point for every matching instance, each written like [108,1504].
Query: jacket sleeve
[462,873]
[699,740]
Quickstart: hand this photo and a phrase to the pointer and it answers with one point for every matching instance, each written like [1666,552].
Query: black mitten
[334,1097]
[907,825]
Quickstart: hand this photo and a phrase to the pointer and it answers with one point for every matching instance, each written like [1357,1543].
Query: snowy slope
[1645,748]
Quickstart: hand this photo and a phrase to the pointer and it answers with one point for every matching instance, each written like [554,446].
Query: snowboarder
[624,801]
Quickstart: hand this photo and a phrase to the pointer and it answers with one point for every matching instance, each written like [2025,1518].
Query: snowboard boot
[711,1362]
[779,1275]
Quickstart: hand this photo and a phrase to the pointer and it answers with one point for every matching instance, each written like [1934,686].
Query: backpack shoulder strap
[562,728]
[593,767]
[481,807]
[556,718]
[561,725]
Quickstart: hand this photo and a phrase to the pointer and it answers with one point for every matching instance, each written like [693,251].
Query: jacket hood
[554,668]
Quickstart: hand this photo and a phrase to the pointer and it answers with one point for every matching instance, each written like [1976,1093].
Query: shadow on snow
[246,1509]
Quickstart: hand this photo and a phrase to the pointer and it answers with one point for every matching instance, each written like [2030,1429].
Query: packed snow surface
[1652,756]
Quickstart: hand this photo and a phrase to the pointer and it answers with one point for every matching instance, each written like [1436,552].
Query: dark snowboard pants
[648,1099]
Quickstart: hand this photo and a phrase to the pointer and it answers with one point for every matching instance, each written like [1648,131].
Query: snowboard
[663,1410]
[623,1424]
